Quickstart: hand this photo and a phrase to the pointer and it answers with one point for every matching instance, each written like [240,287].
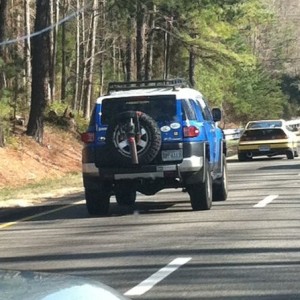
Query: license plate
[172,155]
[264,148]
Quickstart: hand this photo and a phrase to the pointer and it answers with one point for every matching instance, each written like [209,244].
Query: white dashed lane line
[266,201]
[158,276]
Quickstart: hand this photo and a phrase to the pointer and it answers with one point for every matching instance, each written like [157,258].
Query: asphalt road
[247,247]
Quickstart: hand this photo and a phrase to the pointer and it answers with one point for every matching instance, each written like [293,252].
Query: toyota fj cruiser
[151,135]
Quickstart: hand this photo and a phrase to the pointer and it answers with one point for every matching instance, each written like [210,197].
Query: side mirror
[217,114]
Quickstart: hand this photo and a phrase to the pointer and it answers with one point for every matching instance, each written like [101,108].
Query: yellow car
[267,138]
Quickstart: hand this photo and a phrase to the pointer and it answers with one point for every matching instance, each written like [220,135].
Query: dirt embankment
[24,161]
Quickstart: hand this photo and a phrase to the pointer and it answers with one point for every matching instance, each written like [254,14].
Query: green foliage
[227,70]
[222,35]
[82,123]
[55,114]
[58,107]
[5,108]
[5,126]
[258,95]
[237,45]
[290,86]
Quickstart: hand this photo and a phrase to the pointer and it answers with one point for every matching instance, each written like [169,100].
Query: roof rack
[147,84]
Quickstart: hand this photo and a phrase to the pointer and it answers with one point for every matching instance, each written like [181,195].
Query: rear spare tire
[148,141]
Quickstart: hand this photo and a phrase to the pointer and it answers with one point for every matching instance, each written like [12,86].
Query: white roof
[180,93]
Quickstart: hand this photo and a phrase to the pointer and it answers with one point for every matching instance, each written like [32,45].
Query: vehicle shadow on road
[154,207]
[73,207]
[36,207]
[281,167]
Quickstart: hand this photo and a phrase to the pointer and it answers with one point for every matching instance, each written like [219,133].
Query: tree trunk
[129,51]
[3,8]
[63,58]
[40,72]
[2,144]
[150,39]
[91,59]
[82,53]
[192,59]
[102,44]
[167,41]
[3,22]
[54,6]
[77,74]
[140,37]
[27,52]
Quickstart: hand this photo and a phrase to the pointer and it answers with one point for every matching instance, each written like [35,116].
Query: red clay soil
[25,161]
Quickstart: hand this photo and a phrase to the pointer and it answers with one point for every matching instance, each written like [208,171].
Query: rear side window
[160,108]
[188,110]
[205,109]
[198,110]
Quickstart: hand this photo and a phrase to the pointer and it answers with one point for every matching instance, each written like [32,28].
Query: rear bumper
[265,149]
[188,165]
[189,169]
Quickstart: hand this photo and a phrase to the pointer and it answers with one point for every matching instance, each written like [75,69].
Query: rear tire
[125,193]
[290,154]
[201,193]
[220,186]
[97,199]
[296,154]
[242,157]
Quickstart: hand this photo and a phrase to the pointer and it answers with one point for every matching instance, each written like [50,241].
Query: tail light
[190,131]
[88,137]
[281,136]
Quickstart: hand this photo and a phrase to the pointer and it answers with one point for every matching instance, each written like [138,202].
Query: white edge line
[6,225]
[158,276]
[266,201]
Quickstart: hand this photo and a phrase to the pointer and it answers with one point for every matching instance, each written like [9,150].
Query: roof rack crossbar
[147,84]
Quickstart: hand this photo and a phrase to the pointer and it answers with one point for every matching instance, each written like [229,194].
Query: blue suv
[151,135]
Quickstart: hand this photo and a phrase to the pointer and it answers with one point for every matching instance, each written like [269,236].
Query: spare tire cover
[148,144]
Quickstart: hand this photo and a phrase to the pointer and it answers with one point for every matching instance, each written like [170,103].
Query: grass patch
[71,180]
[232,147]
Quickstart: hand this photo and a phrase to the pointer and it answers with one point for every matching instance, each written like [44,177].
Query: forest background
[58,56]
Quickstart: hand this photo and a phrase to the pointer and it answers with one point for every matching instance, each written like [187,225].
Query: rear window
[264,134]
[264,124]
[160,108]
